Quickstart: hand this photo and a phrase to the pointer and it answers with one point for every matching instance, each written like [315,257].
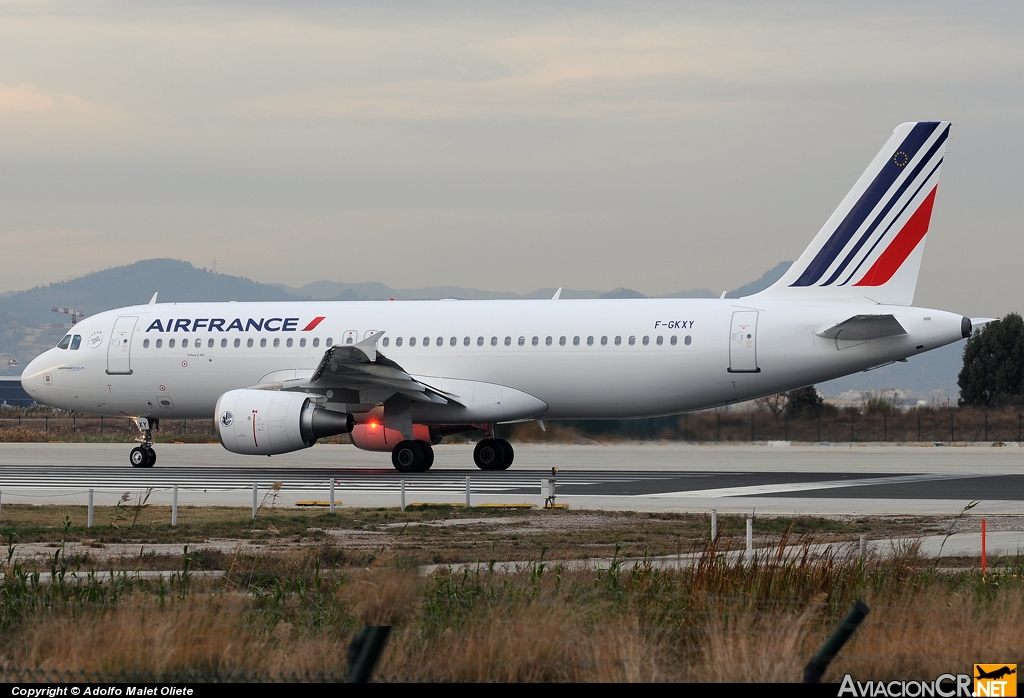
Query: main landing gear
[493,454]
[143,455]
[412,456]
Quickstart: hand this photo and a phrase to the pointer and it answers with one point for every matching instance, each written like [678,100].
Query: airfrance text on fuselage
[274,324]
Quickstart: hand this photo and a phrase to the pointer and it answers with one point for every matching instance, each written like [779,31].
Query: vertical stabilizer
[872,245]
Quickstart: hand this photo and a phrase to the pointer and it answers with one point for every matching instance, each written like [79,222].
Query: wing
[864,327]
[362,368]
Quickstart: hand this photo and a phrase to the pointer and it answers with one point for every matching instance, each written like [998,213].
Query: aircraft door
[119,350]
[351,337]
[743,342]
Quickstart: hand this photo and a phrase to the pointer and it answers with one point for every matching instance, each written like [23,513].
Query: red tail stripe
[316,321]
[901,247]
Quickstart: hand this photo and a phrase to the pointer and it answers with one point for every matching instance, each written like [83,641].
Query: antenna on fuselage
[152,301]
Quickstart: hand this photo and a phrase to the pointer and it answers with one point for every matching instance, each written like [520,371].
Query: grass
[718,620]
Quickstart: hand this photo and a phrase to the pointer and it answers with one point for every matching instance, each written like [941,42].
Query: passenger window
[159,343]
[302,342]
[547,341]
[618,341]
[440,341]
[412,341]
[209,343]
[479,341]
[632,341]
[398,342]
[184,344]
[647,340]
[453,341]
[508,341]
[316,342]
[561,341]
[535,341]
[223,343]
[145,344]
[576,341]
[426,341]
[277,342]
[465,341]
[672,340]
[238,342]
[660,340]
[590,341]
[494,341]
[76,342]
[604,341]
[290,340]
[686,340]
[263,343]
[330,341]
[385,341]
[522,341]
[248,343]
[63,344]
[170,343]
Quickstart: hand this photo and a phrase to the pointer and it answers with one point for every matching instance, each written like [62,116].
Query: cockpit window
[76,342]
[64,342]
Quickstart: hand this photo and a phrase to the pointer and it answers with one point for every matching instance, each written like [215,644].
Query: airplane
[399,376]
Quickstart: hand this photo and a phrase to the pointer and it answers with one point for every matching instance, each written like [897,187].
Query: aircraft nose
[33,378]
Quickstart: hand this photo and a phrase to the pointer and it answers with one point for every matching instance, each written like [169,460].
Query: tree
[803,401]
[775,404]
[993,370]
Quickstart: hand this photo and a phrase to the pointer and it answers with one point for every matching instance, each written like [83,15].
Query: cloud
[30,98]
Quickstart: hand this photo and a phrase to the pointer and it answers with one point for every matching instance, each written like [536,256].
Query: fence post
[254,501]
[88,520]
[403,495]
[332,495]
[863,545]
[984,568]
[819,426]
[46,419]
[951,433]
[468,503]
[986,425]
[750,536]
[815,668]
[101,427]
[751,428]
[785,426]
[1020,419]
[714,525]
[851,428]
[885,427]
[919,426]
[174,507]
[718,436]
[1,499]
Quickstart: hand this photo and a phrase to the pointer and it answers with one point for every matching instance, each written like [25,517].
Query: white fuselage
[618,359]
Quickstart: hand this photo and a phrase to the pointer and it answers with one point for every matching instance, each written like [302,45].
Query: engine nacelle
[270,422]
[374,436]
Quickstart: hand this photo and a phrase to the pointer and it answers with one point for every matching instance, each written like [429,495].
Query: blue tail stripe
[860,211]
[924,182]
[888,207]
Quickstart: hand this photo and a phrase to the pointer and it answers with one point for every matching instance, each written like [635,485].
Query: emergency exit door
[743,342]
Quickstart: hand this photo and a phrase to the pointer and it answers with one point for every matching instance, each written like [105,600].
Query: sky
[503,145]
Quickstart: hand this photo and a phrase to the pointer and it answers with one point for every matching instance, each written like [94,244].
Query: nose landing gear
[143,455]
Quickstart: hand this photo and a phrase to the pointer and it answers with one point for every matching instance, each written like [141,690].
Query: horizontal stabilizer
[860,327]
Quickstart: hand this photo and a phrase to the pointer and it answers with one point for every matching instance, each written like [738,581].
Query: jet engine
[270,422]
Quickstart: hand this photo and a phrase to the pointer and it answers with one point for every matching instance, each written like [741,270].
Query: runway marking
[782,488]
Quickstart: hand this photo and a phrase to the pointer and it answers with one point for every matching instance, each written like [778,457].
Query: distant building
[12,394]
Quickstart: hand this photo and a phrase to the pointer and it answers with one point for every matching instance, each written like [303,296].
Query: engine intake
[271,422]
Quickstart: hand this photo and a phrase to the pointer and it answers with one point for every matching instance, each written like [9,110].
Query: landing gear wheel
[510,453]
[142,457]
[428,456]
[408,457]
[489,455]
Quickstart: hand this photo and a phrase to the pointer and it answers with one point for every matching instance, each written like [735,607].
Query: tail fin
[871,247]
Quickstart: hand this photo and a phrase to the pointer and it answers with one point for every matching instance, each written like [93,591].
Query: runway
[840,479]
